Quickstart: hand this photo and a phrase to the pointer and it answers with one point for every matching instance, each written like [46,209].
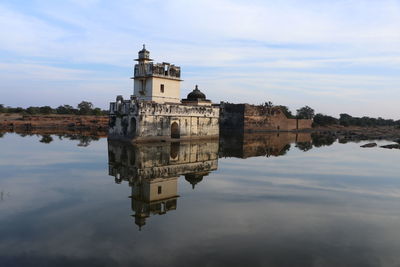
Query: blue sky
[335,56]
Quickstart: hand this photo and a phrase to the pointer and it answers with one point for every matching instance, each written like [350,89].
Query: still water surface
[254,201]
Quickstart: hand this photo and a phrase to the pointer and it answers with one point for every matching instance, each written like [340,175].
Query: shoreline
[98,126]
[53,123]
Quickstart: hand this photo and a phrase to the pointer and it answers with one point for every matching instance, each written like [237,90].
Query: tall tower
[158,82]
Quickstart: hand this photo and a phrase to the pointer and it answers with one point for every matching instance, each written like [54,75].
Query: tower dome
[196,97]
[196,94]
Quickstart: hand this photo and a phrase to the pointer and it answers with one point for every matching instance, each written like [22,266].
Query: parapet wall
[245,117]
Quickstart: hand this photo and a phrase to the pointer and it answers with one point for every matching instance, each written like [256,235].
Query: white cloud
[288,51]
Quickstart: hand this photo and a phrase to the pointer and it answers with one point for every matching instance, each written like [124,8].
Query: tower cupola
[144,55]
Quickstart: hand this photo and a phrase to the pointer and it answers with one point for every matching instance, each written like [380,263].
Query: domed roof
[195,178]
[196,94]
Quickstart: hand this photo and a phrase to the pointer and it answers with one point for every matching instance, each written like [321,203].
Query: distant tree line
[319,119]
[83,108]
[348,120]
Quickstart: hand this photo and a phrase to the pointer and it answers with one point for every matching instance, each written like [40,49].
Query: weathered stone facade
[245,117]
[156,112]
[133,120]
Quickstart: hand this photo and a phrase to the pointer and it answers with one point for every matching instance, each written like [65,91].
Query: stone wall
[137,121]
[232,116]
[305,124]
[245,117]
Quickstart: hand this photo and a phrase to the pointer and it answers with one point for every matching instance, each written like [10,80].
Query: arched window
[175,133]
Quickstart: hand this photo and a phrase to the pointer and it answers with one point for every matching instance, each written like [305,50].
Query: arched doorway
[175,130]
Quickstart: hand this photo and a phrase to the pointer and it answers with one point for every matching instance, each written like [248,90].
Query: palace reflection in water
[280,206]
[152,171]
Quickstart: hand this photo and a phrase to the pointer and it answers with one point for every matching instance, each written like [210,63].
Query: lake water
[256,200]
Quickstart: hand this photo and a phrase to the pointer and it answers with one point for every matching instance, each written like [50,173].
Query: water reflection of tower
[153,170]
[155,196]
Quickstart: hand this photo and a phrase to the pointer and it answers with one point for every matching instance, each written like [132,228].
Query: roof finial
[144,47]
[196,87]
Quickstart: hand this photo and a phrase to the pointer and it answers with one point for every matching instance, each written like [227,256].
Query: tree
[2,108]
[286,111]
[33,110]
[46,110]
[85,108]
[319,140]
[46,138]
[268,104]
[323,120]
[18,110]
[304,146]
[305,113]
[65,109]
[268,107]
[345,119]
[97,112]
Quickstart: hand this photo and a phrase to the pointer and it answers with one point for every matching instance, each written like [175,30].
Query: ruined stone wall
[245,117]
[290,124]
[261,118]
[305,124]
[144,121]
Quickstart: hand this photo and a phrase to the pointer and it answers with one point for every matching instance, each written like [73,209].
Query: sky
[339,56]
